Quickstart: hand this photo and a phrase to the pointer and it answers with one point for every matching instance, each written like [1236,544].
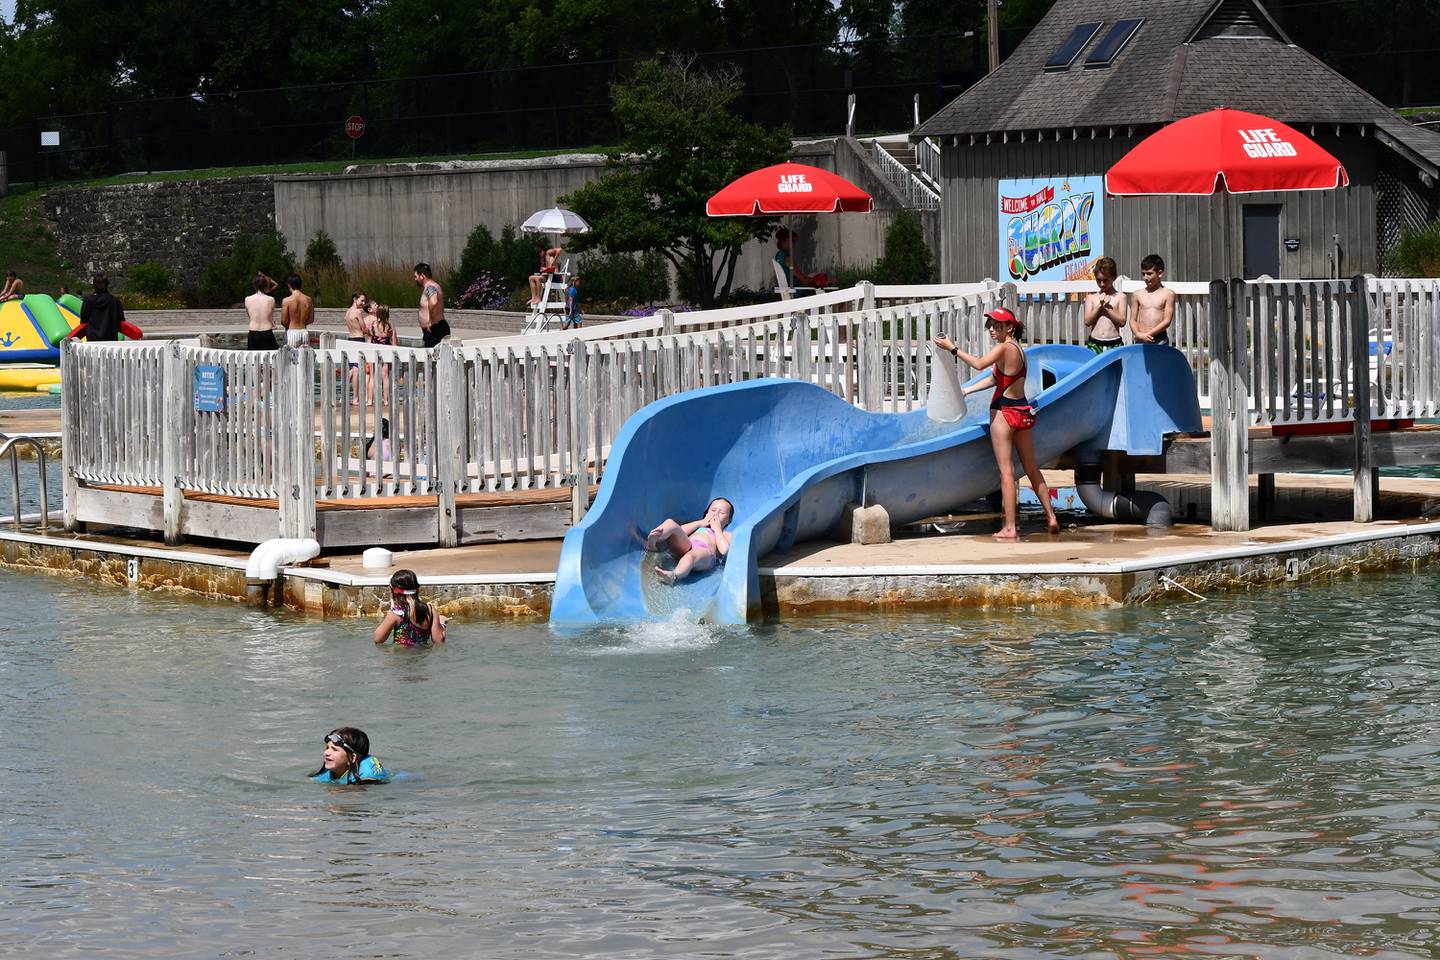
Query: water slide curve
[791,455]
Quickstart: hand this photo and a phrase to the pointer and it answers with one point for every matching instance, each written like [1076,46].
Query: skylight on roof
[1070,49]
[1113,42]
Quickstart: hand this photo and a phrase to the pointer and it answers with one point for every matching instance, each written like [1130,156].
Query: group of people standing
[365,320]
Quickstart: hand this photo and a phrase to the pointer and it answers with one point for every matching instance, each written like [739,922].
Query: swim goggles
[339,741]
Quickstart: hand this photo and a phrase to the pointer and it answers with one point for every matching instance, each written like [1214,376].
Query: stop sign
[355,127]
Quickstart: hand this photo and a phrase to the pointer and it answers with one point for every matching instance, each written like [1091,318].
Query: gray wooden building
[1092,80]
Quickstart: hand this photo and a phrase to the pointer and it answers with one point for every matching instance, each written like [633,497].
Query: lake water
[1253,775]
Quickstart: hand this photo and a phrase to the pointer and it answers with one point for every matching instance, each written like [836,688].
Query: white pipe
[267,559]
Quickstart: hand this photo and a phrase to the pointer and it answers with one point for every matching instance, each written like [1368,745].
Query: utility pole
[992,32]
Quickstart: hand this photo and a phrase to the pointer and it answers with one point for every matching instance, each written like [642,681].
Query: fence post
[1367,477]
[447,473]
[667,323]
[176,394]
[295,482]
[1229,411]
[800,346]
[867,295]
[579,455]
[69,432]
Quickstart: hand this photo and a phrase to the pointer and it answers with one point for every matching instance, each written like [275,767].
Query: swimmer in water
[411,621]
[697,545]
[347,759]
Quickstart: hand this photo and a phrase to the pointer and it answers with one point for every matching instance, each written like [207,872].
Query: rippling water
[1255,775]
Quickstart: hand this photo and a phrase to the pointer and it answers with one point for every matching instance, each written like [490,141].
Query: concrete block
[864,525]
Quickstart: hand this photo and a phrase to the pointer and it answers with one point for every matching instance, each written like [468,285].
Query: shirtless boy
[14,287]
[1105,309]
[297,312]
[260,306]
[1152,310]
[433,327]
[357,326]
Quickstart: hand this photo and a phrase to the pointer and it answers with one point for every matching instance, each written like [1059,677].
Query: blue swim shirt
[371,771]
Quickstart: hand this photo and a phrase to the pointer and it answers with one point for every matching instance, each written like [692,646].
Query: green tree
[681,143]
[907,257]
[322,254]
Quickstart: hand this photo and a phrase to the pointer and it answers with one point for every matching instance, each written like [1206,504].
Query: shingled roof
[1188,56]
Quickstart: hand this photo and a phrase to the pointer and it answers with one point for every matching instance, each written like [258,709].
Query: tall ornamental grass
[391,283]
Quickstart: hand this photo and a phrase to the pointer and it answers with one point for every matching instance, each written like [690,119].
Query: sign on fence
[209,388]
[1051,228]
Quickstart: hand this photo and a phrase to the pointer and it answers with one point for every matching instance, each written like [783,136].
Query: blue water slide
[791,456]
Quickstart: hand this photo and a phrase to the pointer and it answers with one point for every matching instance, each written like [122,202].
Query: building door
[1262,240]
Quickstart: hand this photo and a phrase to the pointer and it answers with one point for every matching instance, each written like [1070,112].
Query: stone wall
[183,224]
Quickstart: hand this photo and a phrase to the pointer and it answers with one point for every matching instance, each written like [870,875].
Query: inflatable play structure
[791,456]
[31,329]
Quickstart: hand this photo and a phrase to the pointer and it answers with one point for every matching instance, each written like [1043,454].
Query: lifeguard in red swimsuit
[1011,415]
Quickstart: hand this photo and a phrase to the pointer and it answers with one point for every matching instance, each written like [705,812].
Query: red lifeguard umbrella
[788,188]
[1230,149]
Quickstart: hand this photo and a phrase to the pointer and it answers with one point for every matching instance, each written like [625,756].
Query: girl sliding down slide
[697,545]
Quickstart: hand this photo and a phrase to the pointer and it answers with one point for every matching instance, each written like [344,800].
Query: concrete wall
[406,214]
[183,224]
[830,241]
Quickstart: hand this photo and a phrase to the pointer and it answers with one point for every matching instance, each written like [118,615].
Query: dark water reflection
[1251,776]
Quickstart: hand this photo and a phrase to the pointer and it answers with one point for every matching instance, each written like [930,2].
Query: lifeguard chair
[552,298]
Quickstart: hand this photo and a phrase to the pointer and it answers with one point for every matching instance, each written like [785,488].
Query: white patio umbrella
[555,220]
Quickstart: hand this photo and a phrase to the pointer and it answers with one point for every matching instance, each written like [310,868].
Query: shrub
[907,258]
[147,301]
[321,254]
[226,281]
[622,278]
[149,279]
[1417,254]
[328,284]
[508,260]
[483,293]
[849,276]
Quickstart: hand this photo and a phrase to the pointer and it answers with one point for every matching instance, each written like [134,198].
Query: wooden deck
[490,517]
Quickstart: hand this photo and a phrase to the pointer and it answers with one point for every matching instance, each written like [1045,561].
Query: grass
[392,284]
[319,166]
[28,247]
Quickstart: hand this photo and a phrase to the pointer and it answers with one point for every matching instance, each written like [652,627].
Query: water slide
[791,456]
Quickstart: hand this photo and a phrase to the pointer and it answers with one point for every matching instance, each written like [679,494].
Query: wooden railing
[114,418]
[1404,321]
[545,414]
[542,411]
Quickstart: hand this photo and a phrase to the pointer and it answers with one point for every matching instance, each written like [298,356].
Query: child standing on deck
[572,305]
[411,621]
[697,545]
[1152,310]
[1105,309]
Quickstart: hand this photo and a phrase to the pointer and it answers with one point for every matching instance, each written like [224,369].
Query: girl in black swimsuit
[1011,415]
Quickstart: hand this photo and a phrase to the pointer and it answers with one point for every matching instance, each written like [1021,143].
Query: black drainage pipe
[1150,509]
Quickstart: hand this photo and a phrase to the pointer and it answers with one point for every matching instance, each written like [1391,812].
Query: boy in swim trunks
[697,545]
[1105,309]
[1152,310]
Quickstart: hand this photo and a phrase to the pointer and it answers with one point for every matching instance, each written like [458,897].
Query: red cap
[1000,315]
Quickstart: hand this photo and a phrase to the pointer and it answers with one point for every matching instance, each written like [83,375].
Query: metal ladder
[8,445]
